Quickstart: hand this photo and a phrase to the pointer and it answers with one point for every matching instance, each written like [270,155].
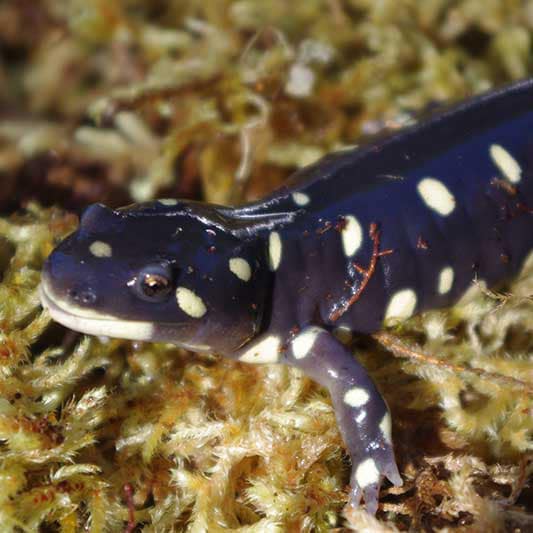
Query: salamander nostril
[73,294]
[85,296]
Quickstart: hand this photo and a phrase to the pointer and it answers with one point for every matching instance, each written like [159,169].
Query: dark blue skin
[371,235]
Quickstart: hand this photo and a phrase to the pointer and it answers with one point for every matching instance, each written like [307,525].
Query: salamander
[362,238]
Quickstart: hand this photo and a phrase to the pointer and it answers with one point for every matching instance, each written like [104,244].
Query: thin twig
[399,349]
[375,235]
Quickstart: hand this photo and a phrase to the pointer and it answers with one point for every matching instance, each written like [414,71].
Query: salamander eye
[153,283]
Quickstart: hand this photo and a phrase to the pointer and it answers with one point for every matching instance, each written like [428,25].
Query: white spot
[274,250]
[367,473]
[190,303]
[386,428]
[436,196]
[507,164]
[168,201]
[352,235]
[356,397]
[264,351]
[241,268]
[445,280]
[402,305]
[343,334]
[100,249]
[302,343]
[300,198]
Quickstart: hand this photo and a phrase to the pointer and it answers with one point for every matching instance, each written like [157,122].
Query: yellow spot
[300,198]
[241,268]
[168,201]
[356,397]
[507,164]
[264,351]
[190,303]
[274,250]
[445,280]
[436,196]
[302,343]
[100,249]
[386,428]
[352,235]
[367,473]
[402,305]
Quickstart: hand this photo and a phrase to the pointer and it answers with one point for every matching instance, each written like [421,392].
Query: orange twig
[367,273]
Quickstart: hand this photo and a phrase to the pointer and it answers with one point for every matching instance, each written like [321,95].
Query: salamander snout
[68,280]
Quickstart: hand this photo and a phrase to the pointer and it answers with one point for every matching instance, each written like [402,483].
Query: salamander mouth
[92,322]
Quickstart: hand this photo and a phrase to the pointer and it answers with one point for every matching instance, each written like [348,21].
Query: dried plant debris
[130,100]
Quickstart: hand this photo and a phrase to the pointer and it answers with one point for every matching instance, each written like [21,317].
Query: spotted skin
[360,238]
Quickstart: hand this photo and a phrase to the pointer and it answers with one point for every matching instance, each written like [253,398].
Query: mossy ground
[129,100]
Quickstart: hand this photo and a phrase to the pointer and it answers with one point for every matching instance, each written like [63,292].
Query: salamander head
[173,273]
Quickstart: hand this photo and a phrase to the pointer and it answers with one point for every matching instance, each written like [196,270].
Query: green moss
[130,100]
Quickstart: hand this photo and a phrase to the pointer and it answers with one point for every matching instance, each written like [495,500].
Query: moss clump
[129,100]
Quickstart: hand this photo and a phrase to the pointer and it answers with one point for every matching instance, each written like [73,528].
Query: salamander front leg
[363,417]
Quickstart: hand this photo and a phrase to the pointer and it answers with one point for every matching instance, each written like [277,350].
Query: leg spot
[386,428]
[303,343]
[356,397]
[436,196]
[367,473]
[352,235]
[264,351]
[506,163]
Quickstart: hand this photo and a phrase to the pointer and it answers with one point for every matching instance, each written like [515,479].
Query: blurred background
[129,100]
